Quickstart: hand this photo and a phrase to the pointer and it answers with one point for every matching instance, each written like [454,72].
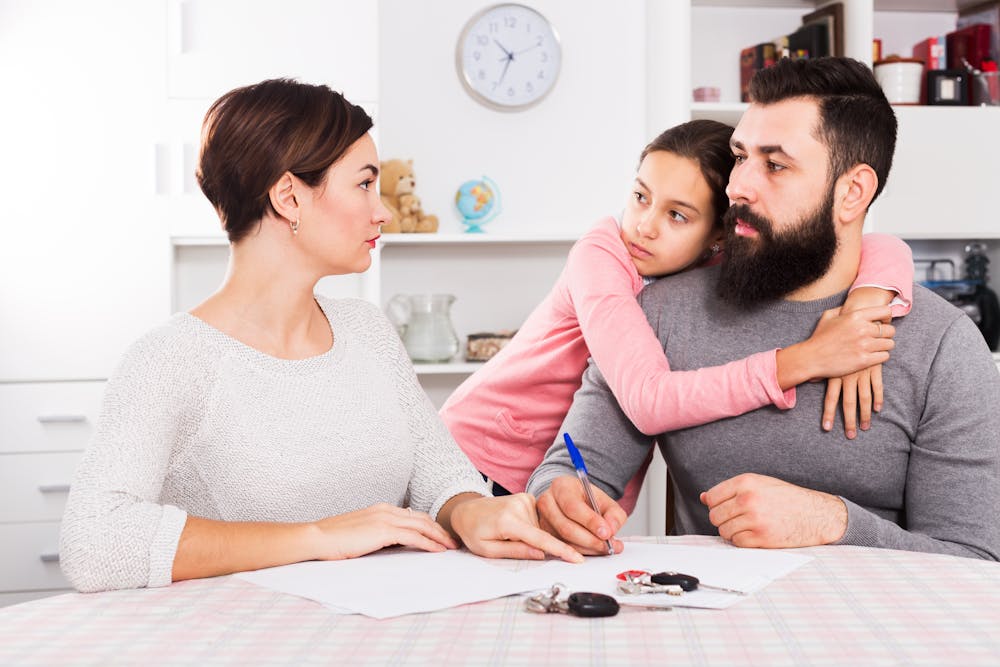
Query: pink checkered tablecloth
[848,606]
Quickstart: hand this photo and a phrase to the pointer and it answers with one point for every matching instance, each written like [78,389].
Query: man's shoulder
[930,310]
[687,286]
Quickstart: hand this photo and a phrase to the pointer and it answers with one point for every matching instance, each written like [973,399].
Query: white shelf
[407,239]
[448,368]
[468,239]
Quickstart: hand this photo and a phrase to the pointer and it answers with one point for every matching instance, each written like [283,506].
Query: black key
[687,582]
[592,605]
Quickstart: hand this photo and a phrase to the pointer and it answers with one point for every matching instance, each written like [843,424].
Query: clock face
[508,56]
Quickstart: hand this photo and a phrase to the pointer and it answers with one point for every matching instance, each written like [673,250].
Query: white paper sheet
[747,570]
[396,582]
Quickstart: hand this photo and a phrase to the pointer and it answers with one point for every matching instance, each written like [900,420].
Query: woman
[269,425]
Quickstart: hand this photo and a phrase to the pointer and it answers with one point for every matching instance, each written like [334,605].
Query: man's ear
[854,192]
[283,198]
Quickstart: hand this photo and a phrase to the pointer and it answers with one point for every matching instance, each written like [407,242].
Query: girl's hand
[364,531]
[507,527]
[862,391]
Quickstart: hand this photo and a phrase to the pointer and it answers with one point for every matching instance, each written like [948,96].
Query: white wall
[559,165]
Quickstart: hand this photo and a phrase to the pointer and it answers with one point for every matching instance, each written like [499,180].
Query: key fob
[592,605]
[687,582]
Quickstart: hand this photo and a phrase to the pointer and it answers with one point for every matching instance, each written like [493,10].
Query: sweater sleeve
[440,469]
[115,534]
[887,262]
[629,356]
[953,476]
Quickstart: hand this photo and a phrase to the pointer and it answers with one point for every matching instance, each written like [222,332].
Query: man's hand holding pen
[564,511]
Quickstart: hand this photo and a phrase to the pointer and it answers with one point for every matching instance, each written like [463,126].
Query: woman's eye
[366,185]
[639,197]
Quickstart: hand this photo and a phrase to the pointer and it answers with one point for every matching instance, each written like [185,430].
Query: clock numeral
[510,21]
[539,40]
[510,92]
[529,88]
[494,86]
[482,40]
[494,26]
[545,57]
[482,74]
[541,74]
[476,55]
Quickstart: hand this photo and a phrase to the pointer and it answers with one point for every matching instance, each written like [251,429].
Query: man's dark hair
[857,123]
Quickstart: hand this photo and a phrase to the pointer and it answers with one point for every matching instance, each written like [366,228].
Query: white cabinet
[45,427]
[83,265]
[216,45]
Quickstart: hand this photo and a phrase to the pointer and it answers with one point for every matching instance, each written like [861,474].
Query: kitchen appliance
[972,294]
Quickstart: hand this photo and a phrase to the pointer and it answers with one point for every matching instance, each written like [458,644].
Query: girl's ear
[283,197]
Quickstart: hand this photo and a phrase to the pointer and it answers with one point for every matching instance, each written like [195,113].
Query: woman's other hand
[361,532]
[504,527]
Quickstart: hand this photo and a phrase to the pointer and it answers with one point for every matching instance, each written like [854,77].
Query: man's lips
[743,229]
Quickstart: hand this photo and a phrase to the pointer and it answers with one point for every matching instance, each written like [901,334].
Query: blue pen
[581,472]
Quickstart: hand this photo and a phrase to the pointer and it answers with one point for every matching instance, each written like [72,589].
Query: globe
[478,202]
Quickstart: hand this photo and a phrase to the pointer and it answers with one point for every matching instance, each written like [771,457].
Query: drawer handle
[54,488]
[62,419]
[49,558]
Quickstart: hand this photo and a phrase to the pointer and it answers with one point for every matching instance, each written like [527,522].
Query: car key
[586,605]
[592,605]
[688,582]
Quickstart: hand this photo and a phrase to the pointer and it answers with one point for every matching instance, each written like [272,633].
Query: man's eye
[739,159]
[774,166]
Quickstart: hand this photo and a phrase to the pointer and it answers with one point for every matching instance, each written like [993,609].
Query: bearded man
[812,152]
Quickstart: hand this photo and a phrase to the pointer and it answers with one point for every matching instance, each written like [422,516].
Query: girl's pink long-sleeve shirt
[508,413]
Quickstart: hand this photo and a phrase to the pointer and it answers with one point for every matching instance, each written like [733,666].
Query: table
[848,606]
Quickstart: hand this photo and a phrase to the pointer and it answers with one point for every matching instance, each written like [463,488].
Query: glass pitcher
[424,324]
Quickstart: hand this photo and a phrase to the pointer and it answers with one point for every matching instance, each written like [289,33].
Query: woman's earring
[294,226]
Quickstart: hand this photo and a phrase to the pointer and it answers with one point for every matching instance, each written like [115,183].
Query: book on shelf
[753,59]
[933,52]
[813,40]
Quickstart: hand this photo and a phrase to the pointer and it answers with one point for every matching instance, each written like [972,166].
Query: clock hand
[517,53]
[504,72]
[506,52]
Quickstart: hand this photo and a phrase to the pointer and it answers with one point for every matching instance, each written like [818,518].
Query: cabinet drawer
[29,560]
[33,487]
[48,416]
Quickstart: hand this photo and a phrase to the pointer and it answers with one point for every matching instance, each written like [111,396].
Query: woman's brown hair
[253,135]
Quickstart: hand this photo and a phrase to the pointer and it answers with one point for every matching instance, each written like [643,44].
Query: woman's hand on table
[364,531]
[503,527]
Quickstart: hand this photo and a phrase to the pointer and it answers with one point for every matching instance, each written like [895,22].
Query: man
[812,151]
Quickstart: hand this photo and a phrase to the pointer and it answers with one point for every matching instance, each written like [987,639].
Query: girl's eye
[639,197]
[677,216]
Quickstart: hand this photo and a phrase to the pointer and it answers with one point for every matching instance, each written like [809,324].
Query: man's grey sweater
[925,477]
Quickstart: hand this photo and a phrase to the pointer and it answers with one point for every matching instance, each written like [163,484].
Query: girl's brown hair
[253,135]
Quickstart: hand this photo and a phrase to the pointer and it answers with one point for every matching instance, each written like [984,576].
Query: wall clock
[508,57]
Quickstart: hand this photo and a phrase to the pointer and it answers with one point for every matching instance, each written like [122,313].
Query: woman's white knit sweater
[195,422]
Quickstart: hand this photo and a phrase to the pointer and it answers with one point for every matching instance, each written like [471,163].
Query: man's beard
[770,266]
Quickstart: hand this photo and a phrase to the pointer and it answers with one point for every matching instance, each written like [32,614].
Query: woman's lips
[638,251]
[743,229]
[371,242]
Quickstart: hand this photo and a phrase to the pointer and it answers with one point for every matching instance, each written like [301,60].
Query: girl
[507,414]
[256,430]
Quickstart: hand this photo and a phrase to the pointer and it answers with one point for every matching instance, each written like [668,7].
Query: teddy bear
[397,183]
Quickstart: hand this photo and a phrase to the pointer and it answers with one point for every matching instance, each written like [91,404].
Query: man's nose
[741,187]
